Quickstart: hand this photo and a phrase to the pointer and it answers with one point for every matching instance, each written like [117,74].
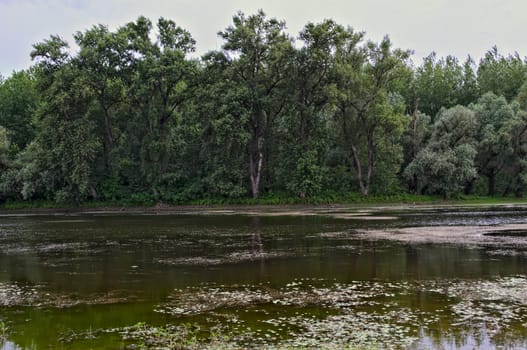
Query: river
[264,278]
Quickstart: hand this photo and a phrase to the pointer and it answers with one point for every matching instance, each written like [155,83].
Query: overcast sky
[458,27]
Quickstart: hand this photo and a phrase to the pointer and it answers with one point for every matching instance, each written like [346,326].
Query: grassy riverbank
[269,200]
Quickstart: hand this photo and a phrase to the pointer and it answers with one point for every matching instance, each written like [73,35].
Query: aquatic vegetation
[197,300]
[167,337]
[358,330]
[358,314]
[14,294]
[232,258]
[186,336]
[507,252]
[365,313]
[466,235]
[349,328]
[493,305]
[37,296]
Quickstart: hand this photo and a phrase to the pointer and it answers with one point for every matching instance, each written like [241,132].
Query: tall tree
[260,52]
[494,146]
[67,143]
[502,75]
[516,169]
[100,64]
[160,83]
[469,90]
[305,129]
[18,99]
[222,107]
[437,83]
[364,75]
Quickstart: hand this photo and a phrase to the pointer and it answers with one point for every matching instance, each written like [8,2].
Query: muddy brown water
[306,278]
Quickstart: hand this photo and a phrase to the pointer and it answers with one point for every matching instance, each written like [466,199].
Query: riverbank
[274,204]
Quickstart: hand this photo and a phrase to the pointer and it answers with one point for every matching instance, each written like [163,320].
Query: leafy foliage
[133,118]
[446,164]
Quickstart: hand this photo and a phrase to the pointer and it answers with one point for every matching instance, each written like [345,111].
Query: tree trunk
[358,168]
[108,137]
[507,189]
[518,191]
[415,118]
[491,184]
[93,192]
[469,187]
[370,163]
[304,129]
[255,173]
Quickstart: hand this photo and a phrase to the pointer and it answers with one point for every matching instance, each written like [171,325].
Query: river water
[295,278]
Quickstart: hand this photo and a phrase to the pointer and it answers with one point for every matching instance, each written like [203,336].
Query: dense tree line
[133,115]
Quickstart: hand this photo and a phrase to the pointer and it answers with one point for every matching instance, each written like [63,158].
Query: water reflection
[7,345]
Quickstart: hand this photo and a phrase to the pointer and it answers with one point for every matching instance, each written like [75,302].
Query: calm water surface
[77,281]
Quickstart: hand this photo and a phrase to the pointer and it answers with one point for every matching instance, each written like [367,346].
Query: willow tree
[447,164]
[364,75]
[67,143]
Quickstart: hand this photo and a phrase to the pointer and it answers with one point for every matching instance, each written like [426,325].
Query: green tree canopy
[18,99]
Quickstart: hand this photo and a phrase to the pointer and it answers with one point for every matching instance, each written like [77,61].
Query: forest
[132,115]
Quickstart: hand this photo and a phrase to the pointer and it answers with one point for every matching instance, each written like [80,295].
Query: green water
[76,281]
